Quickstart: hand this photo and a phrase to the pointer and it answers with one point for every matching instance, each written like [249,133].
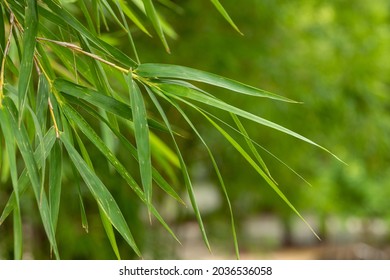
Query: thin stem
[76,48]
[53,118]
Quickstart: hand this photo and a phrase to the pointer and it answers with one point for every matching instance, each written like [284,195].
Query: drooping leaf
[152,70]
[186,176]
[11,156]
[59,16]
[180,91]
[217,171]
[55,176]
[25,149]
[154,18]
[23,182]
[225,14]
[102,101]
[132,16]
[26,65]
[255,166]
[141,131]
[101,194]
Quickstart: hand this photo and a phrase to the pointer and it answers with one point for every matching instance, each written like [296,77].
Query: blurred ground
[263,240]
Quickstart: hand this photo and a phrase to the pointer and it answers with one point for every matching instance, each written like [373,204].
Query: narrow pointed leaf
[132,16]
[101,194]
[251,145]
[26,65]
[217,171]
[102,101]
[153,70]
[186,176]
[154,18]
[259,170]
[177,90]
[23,182]
[60,15]
[55,175]
[141,130]
[225,14]
[9,141]
[31,166]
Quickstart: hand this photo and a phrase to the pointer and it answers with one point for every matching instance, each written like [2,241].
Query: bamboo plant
[57,90]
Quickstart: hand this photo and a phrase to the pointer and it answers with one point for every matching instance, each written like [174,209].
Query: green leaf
[141,131]
[154,18]
[10,146]
[55,175]
[26,64]
[225,14]
[217,171]
[109,232]
[186,176]
[101,194]
[152,70]
[255,166]
[132,16]
[251,145]
[60,15]
[180,91]
[25,149]
[42,101]
[248,158]
[101,101]
[23,182]
[159,179]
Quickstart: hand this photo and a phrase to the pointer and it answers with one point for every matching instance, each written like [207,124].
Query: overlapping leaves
[74,81]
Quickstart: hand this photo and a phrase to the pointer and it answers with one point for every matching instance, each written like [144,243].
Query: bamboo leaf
[217,171]
[154,18]
[26,65]
[159,179]
[23,182]
[259,170]
[141,131]
[31,166]
[109,232]
[102,196]
[102,101]
[184,169]
[225,14]
[55,175]
[251,145]
[152,70]
[180,91]
[103,216]
[59,16]
[10,146]
[255,166]
[132,16]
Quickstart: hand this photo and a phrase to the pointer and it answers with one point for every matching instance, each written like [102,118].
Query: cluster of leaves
[62,85]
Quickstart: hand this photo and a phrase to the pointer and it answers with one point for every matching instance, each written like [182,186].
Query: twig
[76,48]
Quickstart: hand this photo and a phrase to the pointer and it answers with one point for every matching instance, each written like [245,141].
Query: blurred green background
[333,56]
